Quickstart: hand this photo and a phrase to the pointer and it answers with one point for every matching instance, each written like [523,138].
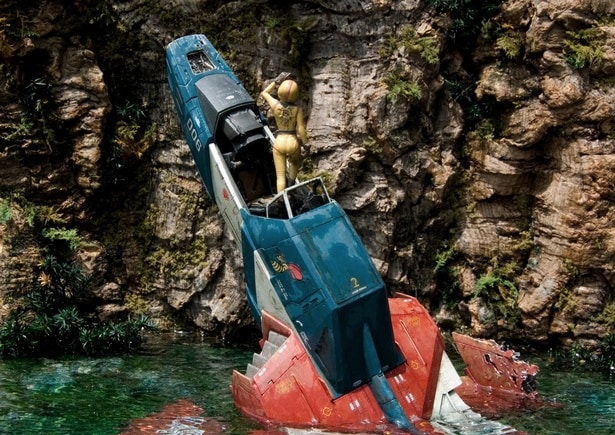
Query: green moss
[484,132]
[426,46]
[511,43]
[444,256]
[499,293]
[448,266]
[68,235]
[524,244]
[607,316]
[6,211]
[286,28]
[399,84]
[327,178]
[48,215]
[571,269]
[389,47]
[38,117]
[21,130]
[429,49]
[584,47]
[565,302]
[496,286]
[272,24]
[489,30]
[136,304]
[489,282]
[15,208]
[372,146]
[176,260]
[466,18]
[134,139]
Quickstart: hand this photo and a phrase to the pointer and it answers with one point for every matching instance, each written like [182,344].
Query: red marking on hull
[295,272]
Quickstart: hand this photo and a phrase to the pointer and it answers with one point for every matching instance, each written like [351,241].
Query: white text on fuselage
[193,134]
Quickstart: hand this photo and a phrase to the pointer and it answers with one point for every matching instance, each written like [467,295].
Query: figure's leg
[294,162]
[279,161]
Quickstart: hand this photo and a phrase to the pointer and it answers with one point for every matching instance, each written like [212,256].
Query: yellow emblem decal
[279,264]
[284,386]
[413,321]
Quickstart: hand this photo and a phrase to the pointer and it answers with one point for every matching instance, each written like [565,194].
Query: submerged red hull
[496,381]
[288,390]
[182,416]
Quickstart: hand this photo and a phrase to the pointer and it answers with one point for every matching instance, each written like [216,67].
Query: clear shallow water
[102,395]
[587,399]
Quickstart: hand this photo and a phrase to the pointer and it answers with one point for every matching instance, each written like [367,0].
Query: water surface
[102,396]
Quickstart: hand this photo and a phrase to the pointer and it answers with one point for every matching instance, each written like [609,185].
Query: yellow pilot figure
[291,128]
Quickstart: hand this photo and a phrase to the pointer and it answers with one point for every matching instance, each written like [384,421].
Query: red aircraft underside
[288,391]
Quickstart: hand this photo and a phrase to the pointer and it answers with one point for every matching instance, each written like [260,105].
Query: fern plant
[467,18]
[499,292]
[68,235]
[584,48]
[510,43]
[6,212]
[52,320]
[400,86]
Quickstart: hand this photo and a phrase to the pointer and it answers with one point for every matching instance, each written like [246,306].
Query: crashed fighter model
[337,353]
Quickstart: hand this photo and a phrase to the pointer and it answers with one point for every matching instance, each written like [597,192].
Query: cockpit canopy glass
[199,62]
[298,199]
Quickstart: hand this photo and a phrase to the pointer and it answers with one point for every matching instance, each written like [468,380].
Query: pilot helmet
[288,91]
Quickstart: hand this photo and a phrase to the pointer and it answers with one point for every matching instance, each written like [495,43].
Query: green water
[101,395]
[587,404]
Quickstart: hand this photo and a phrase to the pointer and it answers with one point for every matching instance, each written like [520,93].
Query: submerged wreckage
[337,353]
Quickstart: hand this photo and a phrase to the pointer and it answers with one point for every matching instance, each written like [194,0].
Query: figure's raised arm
[266,94]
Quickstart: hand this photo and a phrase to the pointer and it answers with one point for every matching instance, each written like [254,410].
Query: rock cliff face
[473,150]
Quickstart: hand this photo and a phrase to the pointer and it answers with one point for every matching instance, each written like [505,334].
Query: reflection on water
[587,399]
[102,395]
[106,395]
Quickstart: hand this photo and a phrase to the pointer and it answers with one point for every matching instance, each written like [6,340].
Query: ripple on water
[587,402]
[101,396]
